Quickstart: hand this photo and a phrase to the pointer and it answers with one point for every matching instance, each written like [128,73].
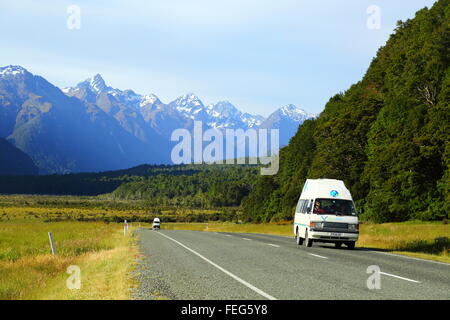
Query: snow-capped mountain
[225,115]
[11,71]
[294,113]
[93,127]
[191,107]
[287,119]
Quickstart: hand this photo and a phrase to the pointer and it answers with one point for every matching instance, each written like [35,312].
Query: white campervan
[156,224]
[325,212]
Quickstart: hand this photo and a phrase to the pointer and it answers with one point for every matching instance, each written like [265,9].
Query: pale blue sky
[257,54]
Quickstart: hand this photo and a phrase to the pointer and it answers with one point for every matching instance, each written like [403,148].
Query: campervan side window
[304,206]
[309,206]
[299,206]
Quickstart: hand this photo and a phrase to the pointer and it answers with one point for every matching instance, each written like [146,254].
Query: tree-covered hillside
[187,186]
[387,136]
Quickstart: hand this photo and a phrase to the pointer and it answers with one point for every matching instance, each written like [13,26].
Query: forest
[386,137]
[187,186]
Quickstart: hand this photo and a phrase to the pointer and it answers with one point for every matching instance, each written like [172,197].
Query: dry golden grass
[28,271]
[105,275]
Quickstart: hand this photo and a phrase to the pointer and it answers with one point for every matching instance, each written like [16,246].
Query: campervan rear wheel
[308,241]
[350,245]
[298,239]
[338,245]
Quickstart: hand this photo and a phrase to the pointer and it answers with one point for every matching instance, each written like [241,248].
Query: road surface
[209,265]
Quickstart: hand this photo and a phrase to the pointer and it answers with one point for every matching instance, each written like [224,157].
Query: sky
[257,54]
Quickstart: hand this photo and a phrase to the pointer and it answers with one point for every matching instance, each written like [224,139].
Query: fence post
[52,244]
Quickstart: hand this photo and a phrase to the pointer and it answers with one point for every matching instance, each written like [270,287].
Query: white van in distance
[325,212]
[156,224]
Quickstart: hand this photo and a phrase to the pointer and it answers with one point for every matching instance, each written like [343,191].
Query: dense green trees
[187,186]
[387,137]
[208,186]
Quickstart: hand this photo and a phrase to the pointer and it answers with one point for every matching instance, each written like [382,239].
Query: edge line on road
[316,255]
[398,277]
[273,245]
[411,258]
[242,281]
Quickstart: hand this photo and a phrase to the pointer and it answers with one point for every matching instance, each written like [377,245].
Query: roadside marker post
[52,244]
[125,228]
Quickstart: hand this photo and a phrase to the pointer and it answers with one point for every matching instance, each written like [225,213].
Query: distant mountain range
[93,127]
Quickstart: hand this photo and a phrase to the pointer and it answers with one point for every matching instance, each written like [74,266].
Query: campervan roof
[325,188]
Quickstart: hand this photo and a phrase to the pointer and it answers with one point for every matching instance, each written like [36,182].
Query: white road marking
[273,245]
[410,258]
[398,277]
[228,235]
[246,239]
[245,283]
[316,255]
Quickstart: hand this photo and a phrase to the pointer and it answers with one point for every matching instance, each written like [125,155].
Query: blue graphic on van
[334,193]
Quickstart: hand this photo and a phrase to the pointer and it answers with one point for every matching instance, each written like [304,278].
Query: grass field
[29,271]
[427,240]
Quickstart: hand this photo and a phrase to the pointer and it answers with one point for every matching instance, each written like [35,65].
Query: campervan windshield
[334,207]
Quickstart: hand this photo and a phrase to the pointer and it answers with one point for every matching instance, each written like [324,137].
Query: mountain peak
[97,83]
[294,112]
[12,70]
[188,100]
[150,99]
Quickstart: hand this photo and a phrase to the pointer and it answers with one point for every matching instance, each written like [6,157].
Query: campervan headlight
[353,227]
[318,225]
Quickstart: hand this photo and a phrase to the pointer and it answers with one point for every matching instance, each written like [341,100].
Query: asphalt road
[209,265]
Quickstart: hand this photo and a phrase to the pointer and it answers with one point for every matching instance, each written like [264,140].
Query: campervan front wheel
[298,239]
[351,245]
[308,241]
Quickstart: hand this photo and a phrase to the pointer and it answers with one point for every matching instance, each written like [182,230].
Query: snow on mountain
[225,115]
[149,99]
[119,128]
[295,113]
[287,119]
[12,71]
[220,115]
[97,83]
[190,106]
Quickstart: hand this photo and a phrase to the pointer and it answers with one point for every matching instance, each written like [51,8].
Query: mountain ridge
[94,127]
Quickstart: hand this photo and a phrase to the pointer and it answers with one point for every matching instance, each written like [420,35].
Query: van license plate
[336,234]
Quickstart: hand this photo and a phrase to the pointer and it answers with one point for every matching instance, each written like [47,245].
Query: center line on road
[246,239]
[316,255]
[398,277]
[242,281]
[228,235]
[273,245]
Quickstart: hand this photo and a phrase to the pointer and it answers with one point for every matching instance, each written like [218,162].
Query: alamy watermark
[74,19]
[227,146]
[73,282]
[374,280]
[374,20]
